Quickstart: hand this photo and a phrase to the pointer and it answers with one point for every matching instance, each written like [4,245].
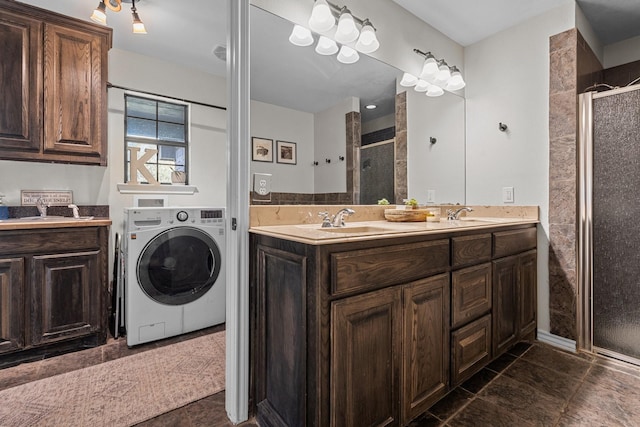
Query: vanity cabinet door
[20,84]
[366,340]
[11,304]
[505,304]
[74,93]
[528,292]
[65,296]
[425,356]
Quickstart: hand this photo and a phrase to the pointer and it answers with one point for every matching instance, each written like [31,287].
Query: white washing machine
[174,274]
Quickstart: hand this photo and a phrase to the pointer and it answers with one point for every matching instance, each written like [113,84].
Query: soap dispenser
[4,210]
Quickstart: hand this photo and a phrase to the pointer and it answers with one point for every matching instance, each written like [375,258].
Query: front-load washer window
[179,265]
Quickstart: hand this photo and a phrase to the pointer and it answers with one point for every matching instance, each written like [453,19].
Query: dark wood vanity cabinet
[53,289]
[53,77]
[374,332]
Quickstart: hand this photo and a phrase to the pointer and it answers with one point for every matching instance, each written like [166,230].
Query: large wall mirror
[310,111]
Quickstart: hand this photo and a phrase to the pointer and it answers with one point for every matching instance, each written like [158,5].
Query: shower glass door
[616,224]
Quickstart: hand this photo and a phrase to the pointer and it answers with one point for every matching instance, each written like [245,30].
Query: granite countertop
[367,230]
[28,223]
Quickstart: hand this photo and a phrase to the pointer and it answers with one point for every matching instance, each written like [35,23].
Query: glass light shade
[429,68]
[321,19]
[444,73]
[422,86]
[408,80]
[301,36]
[367,42]
[138,25]
[348,55]
[347,31]
[434,91]
[326,46]
[99,15]
[456,82]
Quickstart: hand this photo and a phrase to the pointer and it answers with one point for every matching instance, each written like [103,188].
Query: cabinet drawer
[375,268]
[470,349]
[468,250]
[53,240]
[513,242]
[471,293]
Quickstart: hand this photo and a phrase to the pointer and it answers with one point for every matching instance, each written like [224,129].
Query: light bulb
[321,19]
[326,46]
[301,36]
[347,31]
[434,91]
[429,68]
[408,80]
[422,86]
[99,15]
[348,55]
[456,82]
[367,42]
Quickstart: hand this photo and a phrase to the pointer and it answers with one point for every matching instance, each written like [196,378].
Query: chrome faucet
[337,220]
[76,212]
[453,215]
[42,206]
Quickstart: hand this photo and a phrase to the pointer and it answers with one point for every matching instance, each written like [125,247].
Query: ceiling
[189,35]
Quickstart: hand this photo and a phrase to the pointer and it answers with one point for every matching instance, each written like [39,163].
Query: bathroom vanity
[53,283]
[371,325]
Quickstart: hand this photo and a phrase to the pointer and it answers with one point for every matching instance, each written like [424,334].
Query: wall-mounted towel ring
[502,127]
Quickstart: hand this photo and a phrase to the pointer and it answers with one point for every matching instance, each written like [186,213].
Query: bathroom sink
[355,229]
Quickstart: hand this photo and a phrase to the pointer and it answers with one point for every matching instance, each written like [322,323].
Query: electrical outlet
[507,195]
[431,196]
[262,186]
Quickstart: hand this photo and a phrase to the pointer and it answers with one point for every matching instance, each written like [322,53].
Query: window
[160,125]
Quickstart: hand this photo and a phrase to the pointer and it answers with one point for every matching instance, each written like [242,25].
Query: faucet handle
[326,219]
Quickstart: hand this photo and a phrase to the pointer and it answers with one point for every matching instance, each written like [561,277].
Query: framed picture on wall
[286,152]
[261,149]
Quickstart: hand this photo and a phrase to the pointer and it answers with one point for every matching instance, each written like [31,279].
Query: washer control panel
[145,218]
[182,216]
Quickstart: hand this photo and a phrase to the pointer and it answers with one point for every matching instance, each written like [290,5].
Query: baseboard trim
[556,341]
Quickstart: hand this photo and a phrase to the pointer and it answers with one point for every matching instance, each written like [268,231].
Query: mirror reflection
[347,151]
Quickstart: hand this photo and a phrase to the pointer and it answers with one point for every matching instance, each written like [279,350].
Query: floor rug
[121,392]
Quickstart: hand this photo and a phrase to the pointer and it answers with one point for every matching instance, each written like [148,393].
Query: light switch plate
[262,187]
[431,196]
[507,195]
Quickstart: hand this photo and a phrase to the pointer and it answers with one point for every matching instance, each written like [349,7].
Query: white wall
[378,123]
[440,166]
[330,132]
[622,52]
[508,81]
[585,28]
[279,123]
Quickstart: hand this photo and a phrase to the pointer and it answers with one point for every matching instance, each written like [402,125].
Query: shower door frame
[585,225]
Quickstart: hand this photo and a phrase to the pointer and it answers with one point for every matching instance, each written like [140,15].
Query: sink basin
[355,229]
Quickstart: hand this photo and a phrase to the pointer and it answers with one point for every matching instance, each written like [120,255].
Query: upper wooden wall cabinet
[53,80]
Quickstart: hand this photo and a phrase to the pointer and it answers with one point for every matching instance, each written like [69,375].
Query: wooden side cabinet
[11,304]
[53,81]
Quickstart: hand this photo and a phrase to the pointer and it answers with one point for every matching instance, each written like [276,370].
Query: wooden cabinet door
[505,304]
[11,304]
[528,292]
[75,94]
[366,339]
[20,84]
[65,296]
[426,344]
[470,294]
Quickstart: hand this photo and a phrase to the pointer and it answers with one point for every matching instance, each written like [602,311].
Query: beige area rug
[121,392]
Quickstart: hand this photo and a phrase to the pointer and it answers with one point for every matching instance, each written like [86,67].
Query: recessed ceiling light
[371,107]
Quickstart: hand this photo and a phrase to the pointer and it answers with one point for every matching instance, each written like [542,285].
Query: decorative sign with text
[49,197]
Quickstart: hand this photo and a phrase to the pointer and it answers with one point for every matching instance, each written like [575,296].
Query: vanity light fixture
[436,76]
[354,34]
[99,15]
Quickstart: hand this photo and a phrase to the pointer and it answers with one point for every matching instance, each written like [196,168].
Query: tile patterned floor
[530,385]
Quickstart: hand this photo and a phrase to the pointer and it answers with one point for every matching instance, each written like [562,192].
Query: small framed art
[286,152]
[261,149]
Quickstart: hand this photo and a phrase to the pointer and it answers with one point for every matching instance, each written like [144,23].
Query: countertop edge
[62,223]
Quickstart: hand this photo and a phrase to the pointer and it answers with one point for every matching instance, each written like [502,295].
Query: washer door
[179,265]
